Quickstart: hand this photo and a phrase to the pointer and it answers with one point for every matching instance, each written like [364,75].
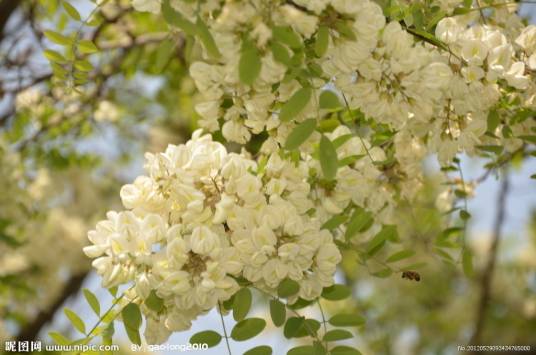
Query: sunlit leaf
[71,10]
[346,320]
[300,134]
[259,350]
[277,312]
[337,334]
[209,337]
[287,288]
[247,329]
[249,66]
[322,41]
[92,301]
[295,104]
[76,321]
[336,292]
[328,158]
[241,304]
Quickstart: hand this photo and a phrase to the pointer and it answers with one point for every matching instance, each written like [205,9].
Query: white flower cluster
[201,219]
[384,72]
[436,98]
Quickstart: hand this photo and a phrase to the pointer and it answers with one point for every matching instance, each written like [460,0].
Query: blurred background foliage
[66,148]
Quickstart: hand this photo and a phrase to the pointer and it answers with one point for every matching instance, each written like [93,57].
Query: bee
[411,275]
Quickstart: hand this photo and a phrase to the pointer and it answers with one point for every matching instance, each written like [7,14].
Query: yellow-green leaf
[206,38]
[209,337]
[70,9]
[86,46]
[247,329]
[300,133]
[328,158]
[58,38]
[322,41]
[295,104]
[241,304]
[92,301]
[249,66]
[175,18]
[76,321]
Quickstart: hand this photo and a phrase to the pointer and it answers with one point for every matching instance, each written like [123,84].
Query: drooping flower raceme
[201,218]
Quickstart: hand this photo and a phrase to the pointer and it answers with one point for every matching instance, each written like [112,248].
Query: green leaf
[277,312]
[300,134]
[132,321]
[322,41]
[344,350]
[249,66]
[209,337]
[259,350]
[241,304]
[464,215]
[346,320]
[59,338]
[376,242]
[87,47]
[319,348]
[301,350]
[54,56]
[206,38]
[75,15]
[334,222]
[287,288]
[493,120]
[360,221]
[295,104]
[529,138]
[164,53]
[467,262]
[175,18]
[76,321]
[350,159]
[329,100]
[308,328]
[461,11]
[109,330]
[337,334]
[83,65]
[403,254]
[247,329]
[286,35]
[153,302]
[345,30]
[336,292]
[92,301]
[340,140]
[280,53]
[58,38]
[295,327]
[328,158]
[383,273]
[495,149]
[292,326]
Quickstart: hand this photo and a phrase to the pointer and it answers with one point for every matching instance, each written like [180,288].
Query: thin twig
[224,330]
[487,274]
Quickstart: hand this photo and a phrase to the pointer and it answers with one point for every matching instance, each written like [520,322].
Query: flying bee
[411,275]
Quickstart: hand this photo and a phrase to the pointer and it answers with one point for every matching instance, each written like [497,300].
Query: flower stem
[224,330]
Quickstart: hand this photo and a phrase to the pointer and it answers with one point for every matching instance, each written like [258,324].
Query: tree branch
[487,273]
[7,7]
[31,330]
